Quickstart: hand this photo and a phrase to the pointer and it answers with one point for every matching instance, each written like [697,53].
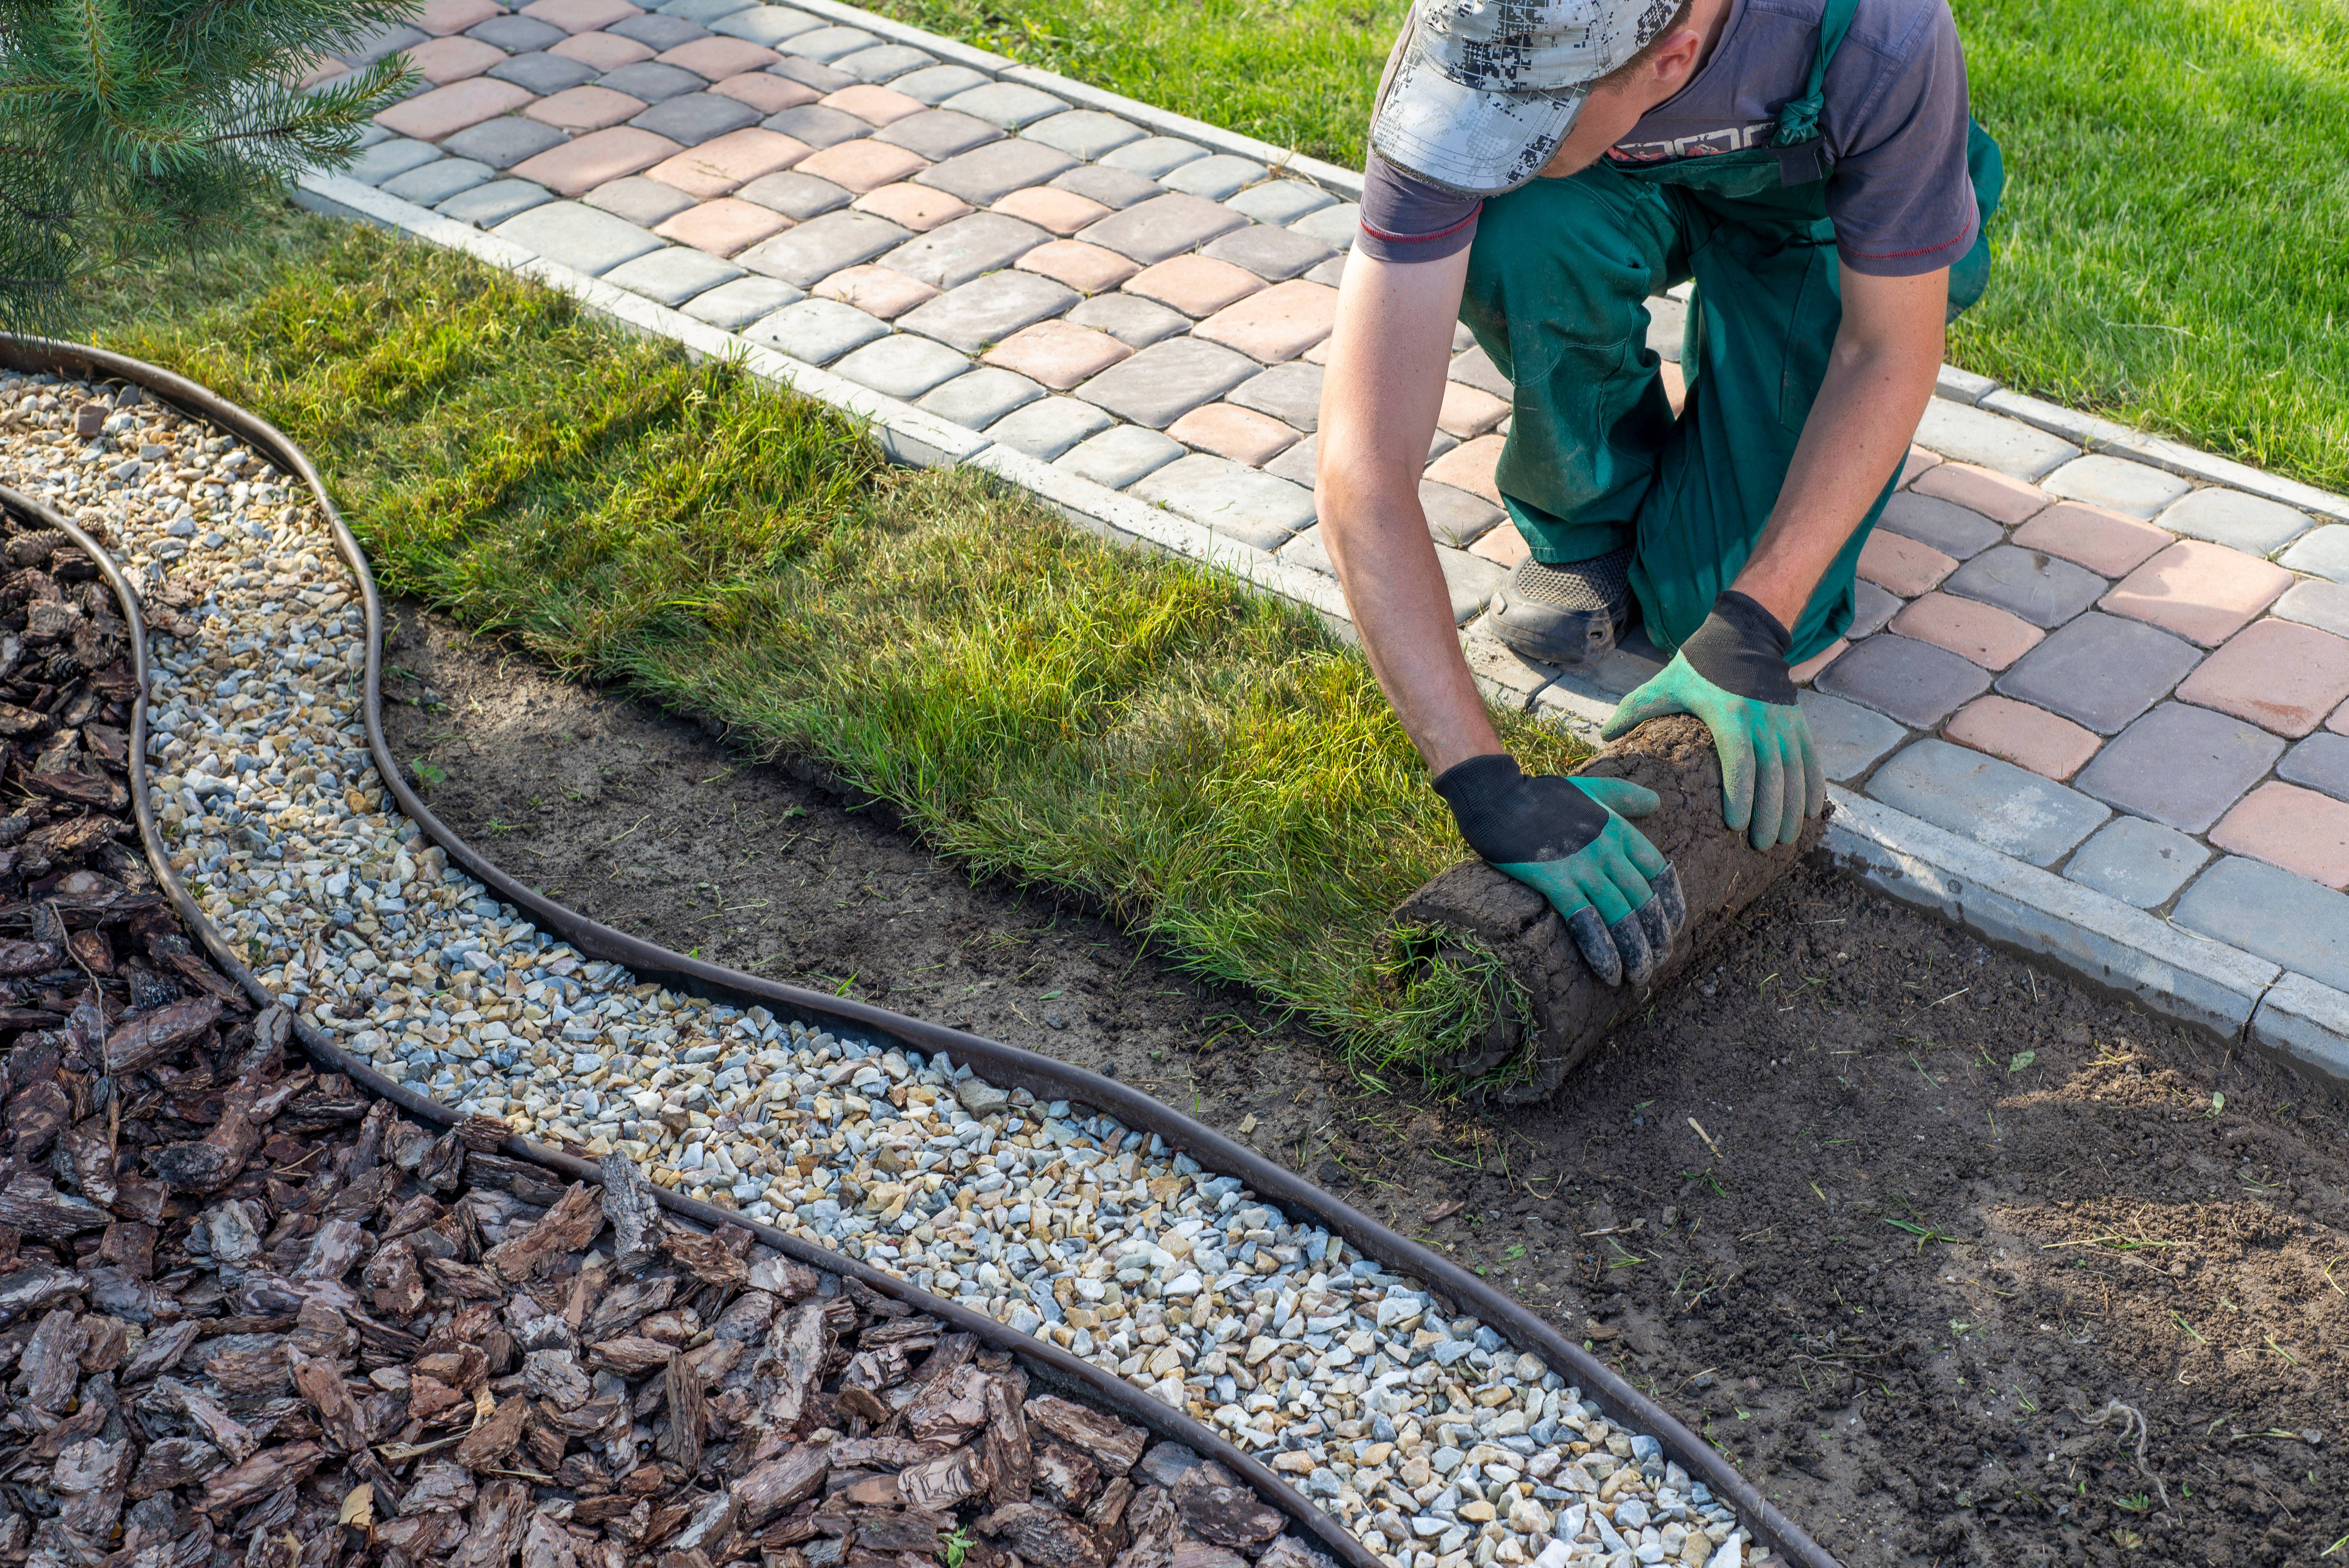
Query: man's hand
[1567,840]
[1731,674]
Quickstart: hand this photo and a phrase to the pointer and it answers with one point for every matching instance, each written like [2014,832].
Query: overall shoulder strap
[1798,119]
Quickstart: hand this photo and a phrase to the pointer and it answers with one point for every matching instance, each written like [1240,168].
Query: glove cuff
[1742,648]
[1475,787]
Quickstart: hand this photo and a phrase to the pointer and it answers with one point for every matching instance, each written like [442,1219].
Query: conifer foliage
[131,127]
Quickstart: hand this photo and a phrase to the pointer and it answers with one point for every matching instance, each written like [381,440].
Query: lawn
[2170,253]
[1211,765]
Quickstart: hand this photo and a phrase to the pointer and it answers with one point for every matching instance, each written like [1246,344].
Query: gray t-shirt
[1894,122]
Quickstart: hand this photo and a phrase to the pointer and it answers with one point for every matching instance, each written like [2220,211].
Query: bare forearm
[1386,562]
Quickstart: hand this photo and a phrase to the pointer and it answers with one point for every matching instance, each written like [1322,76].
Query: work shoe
[1568,615]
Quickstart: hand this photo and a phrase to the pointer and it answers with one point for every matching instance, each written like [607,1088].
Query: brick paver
[714,59]
[1902,565]
[724,164]
[722,227]
[1290,393]
[878,292]
[822,246]
[1007,103]
[1120,455]
[865,165]
[1253,508]
[444,60]
[1058,354]
[1133,321]
[962,250]
[2323,551]
[489,205]
[580,15]
[2199,591]
[2266,910]
[543,73]
[1872,609]
[1163,382]
[1468,412]
[2100,671]
[987,310]
[735,305]
[1088,269]
[641,200]
[1228,430]
[1850,738]
[1279,323]
[1982,633]
[2181,766]
[589,161]
[2046,743]
[1217,177]
[578,236]
[2105,542]
[1273,253]
[429,116]
[938,134]
[914,207]
[1163,226]
[767,93]
[1114,188]
[986,174]
[818,126]
[2000,496]
[589,107]
[1993,803]
[2281,676]
[656,31]
[1979,437]
[440,17]
[796,196]
[2117,484]
[2137,862]
[1914,682]
[818,331]
[977,398]
[2037,587]
[1048,428]
[1810,669]
[672,275]
[901,366]
[697,117]
[2244,522]
[652,81]
[2321,762]
[605,51]
[2299,830]
[1197,285]
[1469,467]
[517,35]
[1953,530]
[1061,212]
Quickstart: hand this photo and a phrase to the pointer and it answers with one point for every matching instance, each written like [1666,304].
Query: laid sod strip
[2195,290]
[1212,765]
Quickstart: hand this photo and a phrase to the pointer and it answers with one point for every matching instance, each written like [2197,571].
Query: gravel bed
[1437,1443]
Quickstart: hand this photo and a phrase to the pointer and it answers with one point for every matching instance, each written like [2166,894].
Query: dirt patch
[1891,1217]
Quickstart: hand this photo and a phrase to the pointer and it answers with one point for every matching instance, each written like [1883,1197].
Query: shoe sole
[1593,644]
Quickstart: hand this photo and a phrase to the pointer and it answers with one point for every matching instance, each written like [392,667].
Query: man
[1538,169]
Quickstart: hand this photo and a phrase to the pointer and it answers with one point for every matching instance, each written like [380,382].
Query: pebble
[1436,1442]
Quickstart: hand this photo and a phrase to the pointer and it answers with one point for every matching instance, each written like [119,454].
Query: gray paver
[1454,516]
[1991,441]
[810,73]
[1271,252]
[1473,368]
[1161,227]
[884,62]
[2037,587]
[2262,909]
[2321,762]
[1471,579]
[705,11]
[1914,682]
[938,134]
[977,400]
[1129,318]
[2180,765]
[2229,517]
[1217,177]
[491,204]
[1253,508]
[1330,274]
[817,125]
[767,24]
[1120,455]
[517,35]
[1332,225]
[820,247]
[1998,805]
[1310,551]
[1046,429]
[818,331]
[901,366]
[934,85]
[1153,156]
[397,156]
[543,73]
[2101,670]
[1116,188]
[647,204]
[578,235]
[1291,393]
[651,81]
[1850,738]
[1085,133]
[673,275]
[1281,201]
[952,255]
[2324,606]
[435,182]
[1007,103]
[1296,463]
[656,32]
[736,305]
[1953,530]
[2137,862]
[502,142]
[2321,553]
[695,118]
[388,39]
[1668,327]
[2117,484]
[1167,380]
[1873,609]
[987,310]
[826,45]
[991,172]
[795,196]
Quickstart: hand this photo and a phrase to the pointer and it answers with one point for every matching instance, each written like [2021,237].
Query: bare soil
[1893,1218]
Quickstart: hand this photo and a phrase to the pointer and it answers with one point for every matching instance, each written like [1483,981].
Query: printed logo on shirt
[1731,139]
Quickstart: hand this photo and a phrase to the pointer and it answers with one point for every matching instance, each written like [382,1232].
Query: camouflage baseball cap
[1479,93]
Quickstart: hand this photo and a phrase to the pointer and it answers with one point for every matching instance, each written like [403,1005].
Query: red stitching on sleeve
[1377,234]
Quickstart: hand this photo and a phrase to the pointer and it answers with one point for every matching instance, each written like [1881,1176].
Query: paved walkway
[2113,659]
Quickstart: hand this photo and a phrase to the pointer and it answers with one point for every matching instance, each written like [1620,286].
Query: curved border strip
[1000,1063]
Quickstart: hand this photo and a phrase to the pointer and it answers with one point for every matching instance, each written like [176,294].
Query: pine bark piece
[546,1544]
[31,1206]
[1720,874]
[171,1463]
[781,1482]
[681,1441]
[51,1362]
[490,1444]
[35,1287]
[140,1041]
[1045,1538]
[567,1227]
[798,1345]
[936,1485]
[501,1515]
[265,1473]
[1010,1453]
[1111,1443]
[708,1258]
[635,1213]
[1215,1509]
[1066,1477]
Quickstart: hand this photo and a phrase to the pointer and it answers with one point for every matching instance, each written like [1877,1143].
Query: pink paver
[1230,431]
[875,291]
[444,111]
[1504,546]
[1901,565]
[1469,411]
[441,18]
[724,226]
[714,59]
[876,106]
[580,15]
[582,164]
[585,109]
[2339,723]
[1057,354]
[861,166]
[1994,495]
[1919,459]
[1982,633]
[1278,324]
[768,95]
[2200,591]
[604,51]
[1088,269]
[718,166]
[441,60]
[914,207]
[2279,674]
[2028,737]
[2105,542]
[1806,672]
[2304,832]
[1061,212]
[1469,467]
[1195,285]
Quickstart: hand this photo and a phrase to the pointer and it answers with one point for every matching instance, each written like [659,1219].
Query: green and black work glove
[1731,674]
[1567,840]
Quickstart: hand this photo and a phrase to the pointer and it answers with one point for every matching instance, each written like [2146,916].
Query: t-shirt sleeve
[1405,219]
[1901,198]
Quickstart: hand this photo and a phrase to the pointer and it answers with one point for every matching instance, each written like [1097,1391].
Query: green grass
[2170,250]
[1214,767]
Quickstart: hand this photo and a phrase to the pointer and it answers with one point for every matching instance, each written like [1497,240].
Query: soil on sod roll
[1926,1238]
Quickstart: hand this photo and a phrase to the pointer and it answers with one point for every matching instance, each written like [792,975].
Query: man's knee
[1579,254]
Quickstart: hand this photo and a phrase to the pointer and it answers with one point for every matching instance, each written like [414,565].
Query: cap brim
[1468,142]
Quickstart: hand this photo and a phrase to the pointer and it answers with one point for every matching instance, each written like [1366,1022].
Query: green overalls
[1558,284]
